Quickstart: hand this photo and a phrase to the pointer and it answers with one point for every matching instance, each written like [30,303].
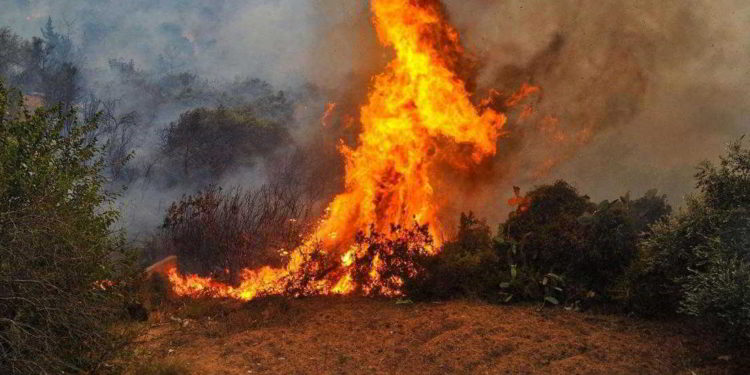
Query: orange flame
[330,107]
[519,201]
[414,107]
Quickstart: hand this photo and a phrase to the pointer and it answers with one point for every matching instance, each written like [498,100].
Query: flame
[330,108]
[416,109]
[519,201]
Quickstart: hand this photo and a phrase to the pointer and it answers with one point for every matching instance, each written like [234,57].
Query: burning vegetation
[363,206]
[418,113]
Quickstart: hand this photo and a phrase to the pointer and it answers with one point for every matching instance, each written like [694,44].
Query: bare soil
[366,336]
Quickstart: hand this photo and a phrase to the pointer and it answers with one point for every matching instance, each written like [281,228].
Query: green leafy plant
[698,262]
[59,259]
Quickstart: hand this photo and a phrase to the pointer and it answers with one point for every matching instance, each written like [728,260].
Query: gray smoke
[642,90]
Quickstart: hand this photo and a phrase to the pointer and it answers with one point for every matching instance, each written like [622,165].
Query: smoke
[633,94]
[312,50]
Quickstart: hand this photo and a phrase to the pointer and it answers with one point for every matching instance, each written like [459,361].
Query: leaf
[552,300]
[504,285]
[513,272]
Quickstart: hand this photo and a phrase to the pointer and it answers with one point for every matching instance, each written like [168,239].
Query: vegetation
[698,262]
[58,254]
[45,65]
[216,231]
[210,142]
[560,248]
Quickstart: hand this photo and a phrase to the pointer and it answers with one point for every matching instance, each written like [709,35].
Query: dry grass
[363,336]
[161,367]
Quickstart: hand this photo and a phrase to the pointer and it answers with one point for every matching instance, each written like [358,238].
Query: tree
[208,142]
[57,251]
[698,262]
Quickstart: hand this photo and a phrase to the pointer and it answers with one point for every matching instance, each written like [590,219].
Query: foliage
[697,262]
[563,238]
[210,142]
[56,248]
[559,248]
[468,266]
[45,65]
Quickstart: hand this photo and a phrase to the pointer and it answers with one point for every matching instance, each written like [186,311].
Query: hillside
[364,336]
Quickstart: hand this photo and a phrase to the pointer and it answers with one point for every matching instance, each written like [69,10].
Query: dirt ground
[366,336]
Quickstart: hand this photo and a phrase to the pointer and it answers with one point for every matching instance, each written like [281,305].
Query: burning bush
[223,232]
[390,260]
[56,246]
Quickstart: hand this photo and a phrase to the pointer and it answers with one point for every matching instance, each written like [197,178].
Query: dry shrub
[217,232]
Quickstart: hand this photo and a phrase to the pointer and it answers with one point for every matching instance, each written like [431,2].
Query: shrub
[400,258]
[56,246]
[722,293]
[548,232]
[467,266]
[223,232]
[697,262]
[584,248]
[558,247]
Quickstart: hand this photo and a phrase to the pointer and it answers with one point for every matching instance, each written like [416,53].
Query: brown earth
[366,336]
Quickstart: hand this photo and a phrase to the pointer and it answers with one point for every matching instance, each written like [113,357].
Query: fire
[330,108]
[416,110]
[519,201]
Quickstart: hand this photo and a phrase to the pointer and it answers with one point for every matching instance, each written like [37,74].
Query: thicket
[698,262]
[559,248]
[58,254]
[209,142]
[44,65]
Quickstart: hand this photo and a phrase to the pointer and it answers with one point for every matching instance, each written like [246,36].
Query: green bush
[467,266]
[698,262]
[584,248]
[56,247]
